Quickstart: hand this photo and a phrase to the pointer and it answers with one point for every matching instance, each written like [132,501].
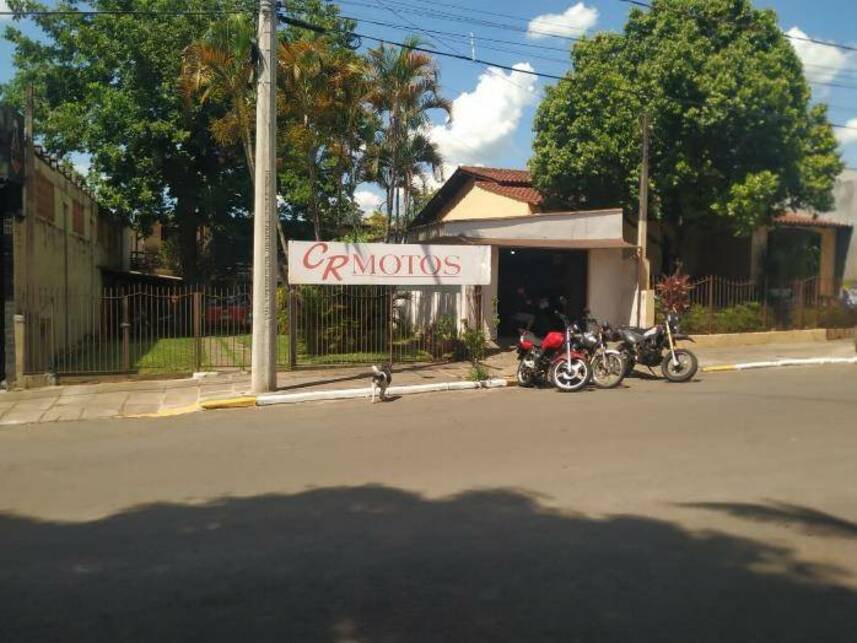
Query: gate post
[197,330]
[126,335]
[710,304]
[391,294]
[797,299]
[293,327]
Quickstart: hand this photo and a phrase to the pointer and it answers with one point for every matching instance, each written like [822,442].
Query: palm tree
[405,89]
[322,105]
[220,68]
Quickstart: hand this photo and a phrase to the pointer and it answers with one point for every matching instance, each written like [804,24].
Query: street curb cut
[808,361]
[353,393]
[229,403]
[168,413]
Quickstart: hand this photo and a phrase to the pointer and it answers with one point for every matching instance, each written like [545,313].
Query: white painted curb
[804,361]
[351,393]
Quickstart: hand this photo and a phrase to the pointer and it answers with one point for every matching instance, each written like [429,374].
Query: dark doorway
[528,275]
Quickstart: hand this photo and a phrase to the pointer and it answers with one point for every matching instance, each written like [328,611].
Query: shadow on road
[381,564]
[811,520]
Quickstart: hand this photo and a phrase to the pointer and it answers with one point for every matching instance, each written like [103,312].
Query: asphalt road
[720,510]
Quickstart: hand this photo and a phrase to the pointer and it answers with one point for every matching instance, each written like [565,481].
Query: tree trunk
[312,172]
[188,234]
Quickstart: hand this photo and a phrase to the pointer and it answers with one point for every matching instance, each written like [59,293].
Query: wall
[612,285]
[58,255]
[472,202]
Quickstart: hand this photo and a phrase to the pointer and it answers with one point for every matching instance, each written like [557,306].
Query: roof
[514,184]
[524,193]
[550,244]
[806,219]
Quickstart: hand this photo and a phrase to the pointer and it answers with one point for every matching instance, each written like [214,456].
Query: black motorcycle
[656,346]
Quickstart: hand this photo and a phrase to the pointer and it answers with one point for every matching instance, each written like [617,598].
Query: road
[720,510]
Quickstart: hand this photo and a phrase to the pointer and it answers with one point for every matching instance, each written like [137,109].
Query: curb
[229,403]
[808,361]
[353,393]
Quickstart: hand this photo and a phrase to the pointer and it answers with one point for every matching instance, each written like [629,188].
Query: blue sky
[494,109]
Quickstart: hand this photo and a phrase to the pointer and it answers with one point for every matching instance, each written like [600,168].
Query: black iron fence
[721,305]
[183,329]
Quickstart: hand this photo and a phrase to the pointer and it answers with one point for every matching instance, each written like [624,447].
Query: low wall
[772,337]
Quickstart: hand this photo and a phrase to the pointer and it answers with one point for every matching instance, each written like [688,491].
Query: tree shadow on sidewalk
[381,564]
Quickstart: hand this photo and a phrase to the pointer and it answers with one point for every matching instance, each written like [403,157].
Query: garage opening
[529,275]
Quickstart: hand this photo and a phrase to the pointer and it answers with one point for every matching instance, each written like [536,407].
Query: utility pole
[263,365]
[642,227]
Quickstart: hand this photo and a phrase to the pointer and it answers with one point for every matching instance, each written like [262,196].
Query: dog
[381,378]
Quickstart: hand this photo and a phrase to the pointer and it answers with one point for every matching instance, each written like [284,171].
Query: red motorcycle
[553,359]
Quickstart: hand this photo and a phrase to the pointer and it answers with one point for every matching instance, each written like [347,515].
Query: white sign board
[331,263]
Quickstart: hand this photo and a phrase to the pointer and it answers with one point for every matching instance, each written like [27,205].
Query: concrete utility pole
[264,363]
[642,230]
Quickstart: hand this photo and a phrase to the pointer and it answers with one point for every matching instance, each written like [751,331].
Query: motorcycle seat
[634,335]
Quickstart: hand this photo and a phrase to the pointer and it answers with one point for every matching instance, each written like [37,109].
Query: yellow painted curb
[229,403]
[724,367]
[511,381]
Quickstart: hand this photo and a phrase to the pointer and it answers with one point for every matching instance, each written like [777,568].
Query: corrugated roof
[808,220]
[523,193]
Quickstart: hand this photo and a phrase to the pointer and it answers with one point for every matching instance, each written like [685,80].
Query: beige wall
[473,202]
[57,258]
[612,285]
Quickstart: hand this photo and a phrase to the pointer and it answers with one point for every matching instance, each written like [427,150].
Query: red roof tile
[498,175]
[807,219]
[518,192]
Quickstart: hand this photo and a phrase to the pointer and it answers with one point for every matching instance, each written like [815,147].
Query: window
[45,198]
[78,221]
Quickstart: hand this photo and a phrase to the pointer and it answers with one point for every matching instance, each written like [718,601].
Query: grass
[177,354]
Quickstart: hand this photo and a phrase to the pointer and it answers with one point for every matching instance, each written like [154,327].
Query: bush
[441,337]
[743,318]
[473,342]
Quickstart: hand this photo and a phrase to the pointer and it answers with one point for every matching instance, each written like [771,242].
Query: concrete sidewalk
[171,397]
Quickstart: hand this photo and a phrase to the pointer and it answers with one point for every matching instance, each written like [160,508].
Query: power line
[323,30]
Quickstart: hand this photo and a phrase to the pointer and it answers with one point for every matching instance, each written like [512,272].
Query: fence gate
[370,324]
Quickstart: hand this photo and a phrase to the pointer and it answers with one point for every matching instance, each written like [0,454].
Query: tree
[107,85]
[405,90]
[734,138]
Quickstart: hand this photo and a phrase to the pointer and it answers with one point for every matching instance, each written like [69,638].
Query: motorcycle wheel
[683,369]
[608,369]
[525,376]
[630,362]
[570,379]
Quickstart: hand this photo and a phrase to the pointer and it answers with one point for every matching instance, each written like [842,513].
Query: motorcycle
[570,369]
[607,364]
[539,359]
[656,346]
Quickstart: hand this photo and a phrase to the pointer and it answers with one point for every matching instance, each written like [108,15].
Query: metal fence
[724,305]
[184,329]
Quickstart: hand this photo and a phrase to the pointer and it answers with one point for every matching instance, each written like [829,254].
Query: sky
[493,108]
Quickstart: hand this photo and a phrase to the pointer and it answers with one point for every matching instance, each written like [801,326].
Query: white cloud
[4,6]
[368,201]
[820,63]
[847,136]
[484,121]
[574,21]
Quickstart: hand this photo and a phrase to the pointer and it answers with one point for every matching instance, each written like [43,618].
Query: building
[59,250]
[584,256]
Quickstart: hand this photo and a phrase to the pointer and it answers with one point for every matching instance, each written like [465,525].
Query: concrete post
[20,348]
[263,367]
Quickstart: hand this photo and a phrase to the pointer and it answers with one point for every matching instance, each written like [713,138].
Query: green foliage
[474,343]
[744,318]
[734,139]
[441,337]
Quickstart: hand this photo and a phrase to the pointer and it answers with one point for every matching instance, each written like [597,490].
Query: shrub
[473,342]
[441,337]
[743,318]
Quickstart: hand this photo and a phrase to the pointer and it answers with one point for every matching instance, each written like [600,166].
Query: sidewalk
[172,397]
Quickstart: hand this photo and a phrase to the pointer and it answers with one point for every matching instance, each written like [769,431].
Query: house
[585,256]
